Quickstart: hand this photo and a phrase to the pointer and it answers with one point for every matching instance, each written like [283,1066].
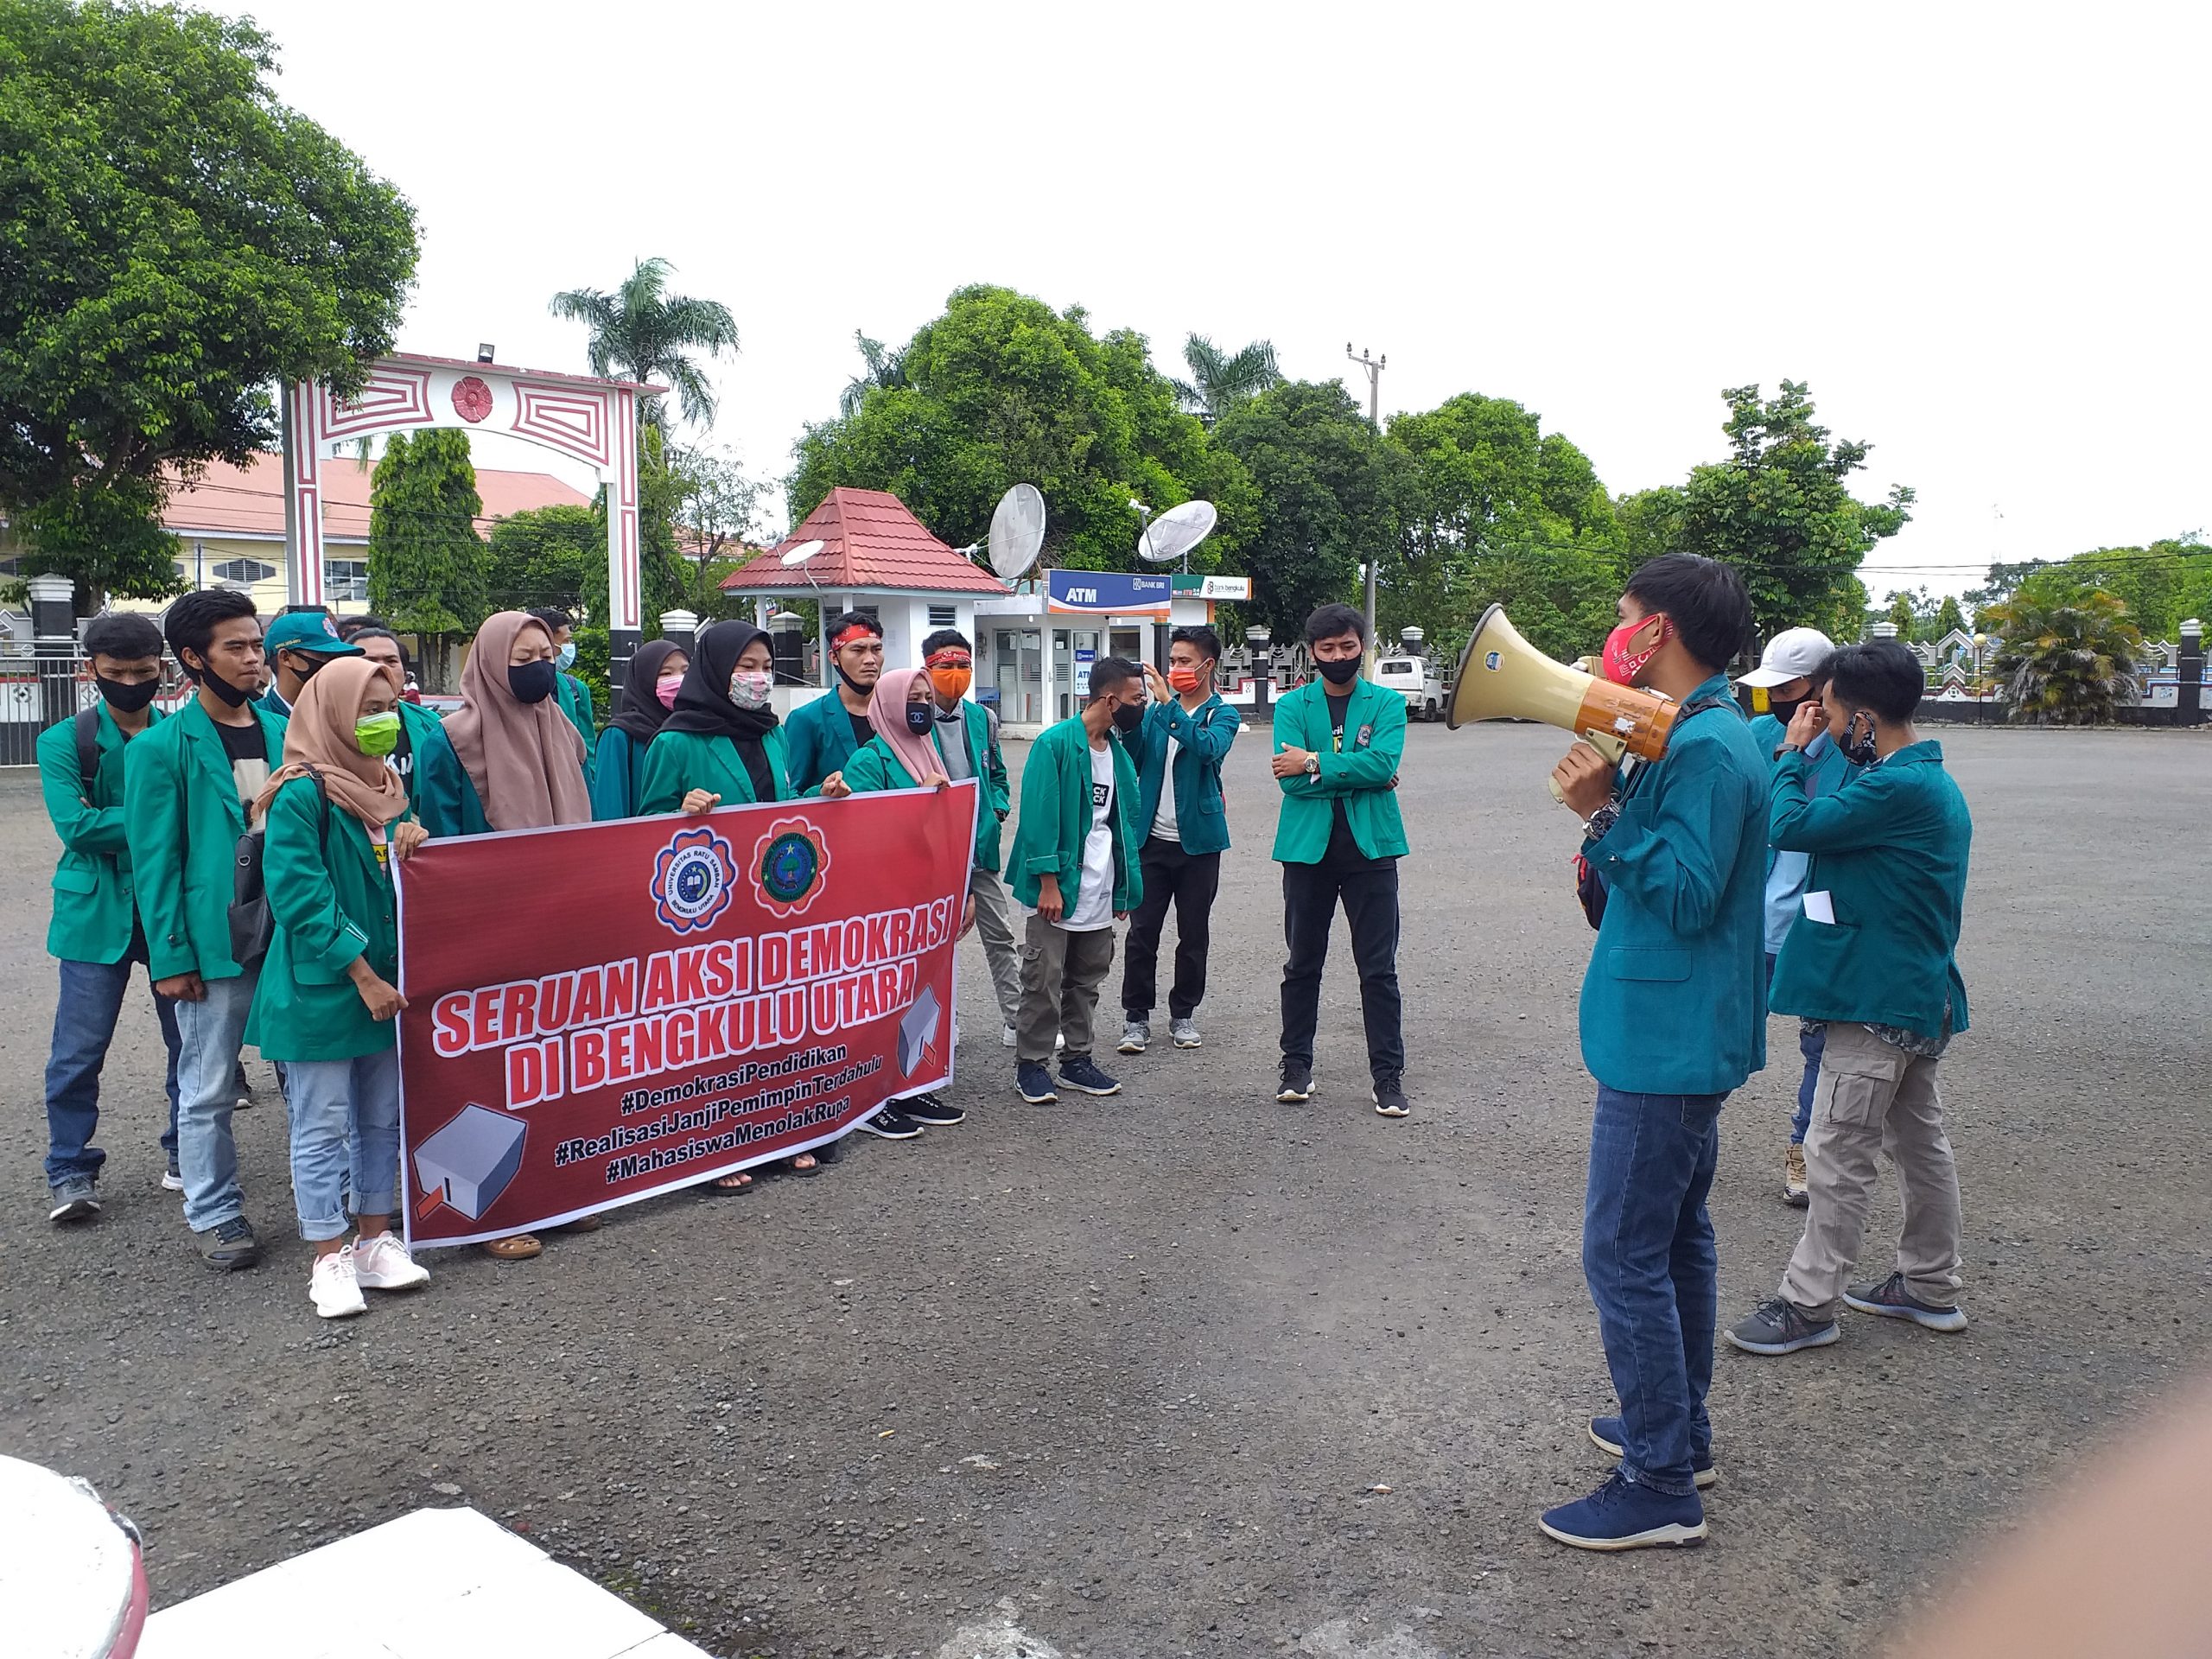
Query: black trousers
[1189,881]
[1369,890]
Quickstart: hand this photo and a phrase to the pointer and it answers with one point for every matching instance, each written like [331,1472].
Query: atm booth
[1040,640]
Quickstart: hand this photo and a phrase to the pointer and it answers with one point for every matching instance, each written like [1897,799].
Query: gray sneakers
[1780,1328]
[1891,1300]
[1185,1034]
[74,1199]
[1136,1036]
[230,1245]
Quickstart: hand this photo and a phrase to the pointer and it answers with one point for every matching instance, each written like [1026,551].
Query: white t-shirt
[1094,904]
[1164,827]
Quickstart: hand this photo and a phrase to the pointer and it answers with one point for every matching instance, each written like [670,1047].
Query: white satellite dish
[1176,532]
[797,556]
[1017,532]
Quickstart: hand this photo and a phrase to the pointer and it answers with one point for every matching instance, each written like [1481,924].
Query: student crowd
[1813,860]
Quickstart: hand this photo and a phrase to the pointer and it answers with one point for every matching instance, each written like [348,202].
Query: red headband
[944,653]
[851,632]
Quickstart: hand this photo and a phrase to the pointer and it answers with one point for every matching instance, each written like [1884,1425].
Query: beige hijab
[525,759]
[319,741]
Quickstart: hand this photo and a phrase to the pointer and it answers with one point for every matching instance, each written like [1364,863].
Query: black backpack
[253,925]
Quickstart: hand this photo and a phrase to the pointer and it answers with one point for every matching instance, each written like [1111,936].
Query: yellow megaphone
[1503,676]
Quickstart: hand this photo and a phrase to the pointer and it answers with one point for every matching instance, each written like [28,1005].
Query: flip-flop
[515,1247]
[717,1187]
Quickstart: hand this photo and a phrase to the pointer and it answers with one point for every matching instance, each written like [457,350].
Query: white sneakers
[334,1291]
[378,1263]
[381,1263]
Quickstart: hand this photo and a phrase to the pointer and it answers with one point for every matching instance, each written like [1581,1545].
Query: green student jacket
[93,915]
[422,725]
[575,698]
[678,762]
[1364,777]
[445,797]
[1056,818]
[1674,999]
[821,740]
[990,776]
[183,818]
[618,776]
[1890,848]
[332,902]
[1203,740]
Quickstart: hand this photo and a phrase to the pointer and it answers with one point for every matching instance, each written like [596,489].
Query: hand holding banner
[599,1014]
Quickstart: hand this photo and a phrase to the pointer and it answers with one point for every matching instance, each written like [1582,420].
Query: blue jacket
[819,740]
[1201,822]
[1825,772]
[1890,850]
[1675,1000]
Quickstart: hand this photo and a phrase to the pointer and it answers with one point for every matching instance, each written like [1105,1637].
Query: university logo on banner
[706,992]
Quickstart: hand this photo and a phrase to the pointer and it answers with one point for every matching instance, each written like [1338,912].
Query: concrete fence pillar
[54,645]
[2188,675]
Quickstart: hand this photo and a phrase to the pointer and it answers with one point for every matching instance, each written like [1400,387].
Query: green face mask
[378,734]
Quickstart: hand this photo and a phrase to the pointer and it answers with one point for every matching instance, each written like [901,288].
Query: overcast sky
[1978,232]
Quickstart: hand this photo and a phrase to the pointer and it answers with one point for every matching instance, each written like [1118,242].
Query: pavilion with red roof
[876,557]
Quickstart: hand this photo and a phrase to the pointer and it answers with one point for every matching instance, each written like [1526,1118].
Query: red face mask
[1625,656]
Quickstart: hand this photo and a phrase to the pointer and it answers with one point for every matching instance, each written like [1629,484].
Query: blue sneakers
[1622,1515]
[1035,1083]
[1080,1072]
[1606,1434]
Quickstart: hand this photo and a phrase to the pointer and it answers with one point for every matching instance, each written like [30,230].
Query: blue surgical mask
[566,657]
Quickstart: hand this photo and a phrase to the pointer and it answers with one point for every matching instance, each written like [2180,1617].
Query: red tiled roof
[869,540]
[249,501]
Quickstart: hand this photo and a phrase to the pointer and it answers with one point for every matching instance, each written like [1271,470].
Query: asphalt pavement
[1186,1371]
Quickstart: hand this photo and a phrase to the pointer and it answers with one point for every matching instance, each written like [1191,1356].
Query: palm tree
[2067,655]
[1220,380]
[643,333]
[885,368]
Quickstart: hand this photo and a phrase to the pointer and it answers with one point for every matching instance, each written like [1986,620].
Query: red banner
[599,1014]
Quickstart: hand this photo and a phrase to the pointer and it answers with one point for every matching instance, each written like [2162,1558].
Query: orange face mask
[1183,679]
[951,682]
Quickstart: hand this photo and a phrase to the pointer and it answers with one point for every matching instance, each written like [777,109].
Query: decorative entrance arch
[593,419]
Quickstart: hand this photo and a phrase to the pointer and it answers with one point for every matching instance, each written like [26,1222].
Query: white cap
[1790,655]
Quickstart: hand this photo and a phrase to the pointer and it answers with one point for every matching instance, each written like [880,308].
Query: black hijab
[704,705]
[638,710]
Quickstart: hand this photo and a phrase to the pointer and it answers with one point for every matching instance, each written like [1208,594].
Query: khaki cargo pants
[1873,1097]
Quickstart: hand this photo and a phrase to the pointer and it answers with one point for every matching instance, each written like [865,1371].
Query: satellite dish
[799,555]
[1017,532]
[1176,532]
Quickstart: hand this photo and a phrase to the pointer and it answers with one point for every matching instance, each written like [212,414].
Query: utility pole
[1374,365]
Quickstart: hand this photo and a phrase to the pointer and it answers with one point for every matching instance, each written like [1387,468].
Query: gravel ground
[1187,1372]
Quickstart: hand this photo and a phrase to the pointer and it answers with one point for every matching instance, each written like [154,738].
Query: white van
[1416,679]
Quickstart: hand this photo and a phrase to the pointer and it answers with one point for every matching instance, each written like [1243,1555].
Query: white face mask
[749,688]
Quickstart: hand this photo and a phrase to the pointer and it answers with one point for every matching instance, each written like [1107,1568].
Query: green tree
[715,511]
[2068,653]
[1220,380]
[1324,490]
[427,563]
[545,556]
[1493,510]
[2003,579]
[642,332]
[880,367]
[1002,389]
[1947,617]
[174,241]
[1779,511]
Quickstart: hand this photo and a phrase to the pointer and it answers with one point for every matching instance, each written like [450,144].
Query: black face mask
[1859,751]
[1129,716]
[1338,670]
[919,719]
[229,695]
[127,697]
[314,665]
[531,682]
[1784,708]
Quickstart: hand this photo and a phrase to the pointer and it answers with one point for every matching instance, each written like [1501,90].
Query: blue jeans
[344,1121]
[84,1025]
[1812,1042]
[209,1034]
[1654,1274]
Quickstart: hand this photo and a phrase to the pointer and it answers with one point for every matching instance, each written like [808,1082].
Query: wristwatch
[1595,826]
[1312,765]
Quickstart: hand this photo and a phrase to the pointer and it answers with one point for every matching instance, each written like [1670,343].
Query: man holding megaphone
[1673,1018]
